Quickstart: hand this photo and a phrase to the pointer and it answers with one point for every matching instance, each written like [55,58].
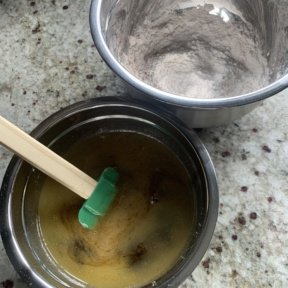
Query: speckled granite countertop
[48,61]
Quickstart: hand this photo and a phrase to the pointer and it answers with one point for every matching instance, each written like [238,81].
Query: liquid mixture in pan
[146,229]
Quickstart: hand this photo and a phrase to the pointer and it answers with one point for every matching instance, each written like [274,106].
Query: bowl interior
[187,48]
[24,239]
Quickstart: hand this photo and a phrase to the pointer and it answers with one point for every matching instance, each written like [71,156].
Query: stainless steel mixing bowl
[113,21]
[19,218]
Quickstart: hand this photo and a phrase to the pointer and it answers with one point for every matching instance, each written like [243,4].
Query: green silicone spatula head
[99,195]
[96,206]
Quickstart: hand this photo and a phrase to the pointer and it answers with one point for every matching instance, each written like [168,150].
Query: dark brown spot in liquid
[137,254]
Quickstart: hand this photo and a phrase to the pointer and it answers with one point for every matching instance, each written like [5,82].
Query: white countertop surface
[48,61]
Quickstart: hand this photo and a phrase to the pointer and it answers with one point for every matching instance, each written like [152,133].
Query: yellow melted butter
[145,230]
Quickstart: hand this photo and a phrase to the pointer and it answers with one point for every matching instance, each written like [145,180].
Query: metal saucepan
[19,216]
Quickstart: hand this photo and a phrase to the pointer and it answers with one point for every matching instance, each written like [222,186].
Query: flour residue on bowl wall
[197,49]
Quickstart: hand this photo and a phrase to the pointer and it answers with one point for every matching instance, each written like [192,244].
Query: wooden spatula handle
[45,160]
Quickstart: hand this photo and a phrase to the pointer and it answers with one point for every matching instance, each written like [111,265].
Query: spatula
[99,194]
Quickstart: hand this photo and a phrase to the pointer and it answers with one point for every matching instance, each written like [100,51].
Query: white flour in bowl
[188,49]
